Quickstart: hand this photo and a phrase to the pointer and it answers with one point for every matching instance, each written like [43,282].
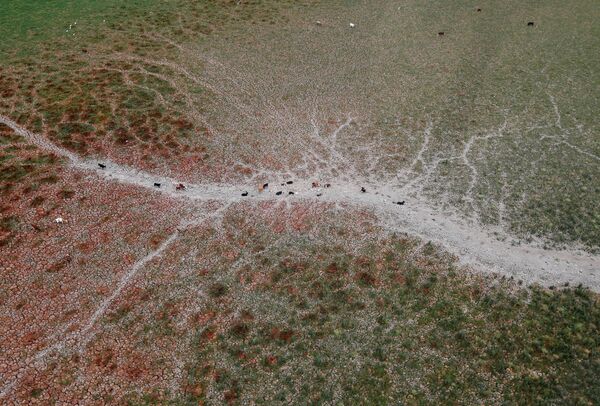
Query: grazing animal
[266,185]
[180,186]
[328,185]
[319,194]
[478,10]
[278,193]
[315,184]
[441,33]
[401,203]
[102,166]
[156,184]
[530,24]
[289,182]
[362,189]
[291,193]
[245,194]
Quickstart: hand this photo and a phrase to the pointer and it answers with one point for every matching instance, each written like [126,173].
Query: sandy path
[473,244]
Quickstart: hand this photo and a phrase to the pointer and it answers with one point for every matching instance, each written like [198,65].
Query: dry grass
[139,298]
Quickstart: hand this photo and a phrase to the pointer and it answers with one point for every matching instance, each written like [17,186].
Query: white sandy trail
[123,173]
[474,245]
[82,336]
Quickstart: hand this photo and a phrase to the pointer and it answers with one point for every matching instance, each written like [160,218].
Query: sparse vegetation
[417,332]
[118,294]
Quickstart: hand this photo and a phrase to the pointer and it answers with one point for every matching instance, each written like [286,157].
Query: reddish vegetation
[105,360]
[60,275]
[56,275]
[112,358]
[332,268]
[128,125]
[366,278]
[285,335]
[230,396]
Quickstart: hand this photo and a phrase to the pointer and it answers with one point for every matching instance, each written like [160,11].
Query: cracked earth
[317,157]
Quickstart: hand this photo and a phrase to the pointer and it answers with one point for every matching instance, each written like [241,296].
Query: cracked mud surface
[476,246]
[495,158]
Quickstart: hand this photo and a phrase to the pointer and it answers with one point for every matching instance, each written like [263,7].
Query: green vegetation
[21,165]
[334,318]
[28,25]
[495,119]
[23,170]
[326,332]
[491,82]
[100,82]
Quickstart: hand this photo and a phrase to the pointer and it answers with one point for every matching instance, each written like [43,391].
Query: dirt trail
[473,244]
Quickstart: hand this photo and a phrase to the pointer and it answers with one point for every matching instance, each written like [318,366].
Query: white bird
[352,25]
[59,220]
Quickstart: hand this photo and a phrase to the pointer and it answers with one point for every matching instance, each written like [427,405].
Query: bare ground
[475,245]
